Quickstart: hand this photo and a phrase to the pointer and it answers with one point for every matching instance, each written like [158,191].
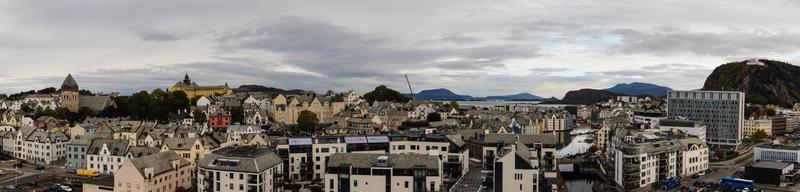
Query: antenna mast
[409,87]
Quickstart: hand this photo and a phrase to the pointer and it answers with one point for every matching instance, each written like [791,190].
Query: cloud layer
[472,47]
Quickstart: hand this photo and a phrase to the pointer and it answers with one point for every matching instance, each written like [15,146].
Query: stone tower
[69,95]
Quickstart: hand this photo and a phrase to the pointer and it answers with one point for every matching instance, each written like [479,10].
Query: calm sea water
[494,103]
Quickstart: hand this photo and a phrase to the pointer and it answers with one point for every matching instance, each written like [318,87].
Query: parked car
[65,188]
[39,167]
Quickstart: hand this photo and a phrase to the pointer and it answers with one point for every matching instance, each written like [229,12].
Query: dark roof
[69,84]
[115,147]
[249,159]
[678,122]
[771,164]
[160,162]
[397,161]
[494,138]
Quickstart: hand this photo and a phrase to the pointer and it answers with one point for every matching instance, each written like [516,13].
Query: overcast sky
[471,47]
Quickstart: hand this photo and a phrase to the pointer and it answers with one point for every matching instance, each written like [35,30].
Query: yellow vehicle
[88,173]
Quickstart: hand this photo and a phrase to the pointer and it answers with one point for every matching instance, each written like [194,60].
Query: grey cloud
[327,49]
[161,35]
[722,44]
[460,39]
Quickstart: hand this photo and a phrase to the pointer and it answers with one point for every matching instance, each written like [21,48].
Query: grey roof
[160,162]
[251,159]
[116,147]
[69,84]
[39,135]
[456,139]
[771,164]
[138,152]
[242,128]
[397,161]
[179,143]
[96,103]
[494,138]
[80,140]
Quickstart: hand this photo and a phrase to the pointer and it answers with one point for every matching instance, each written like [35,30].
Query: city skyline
[478,48]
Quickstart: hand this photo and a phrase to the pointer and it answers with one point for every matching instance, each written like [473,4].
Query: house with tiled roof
[164,172]
[106,155]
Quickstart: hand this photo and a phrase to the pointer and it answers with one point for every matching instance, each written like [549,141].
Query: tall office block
[721,111]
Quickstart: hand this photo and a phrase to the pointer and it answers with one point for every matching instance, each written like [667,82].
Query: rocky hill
[585,97]
[763,81]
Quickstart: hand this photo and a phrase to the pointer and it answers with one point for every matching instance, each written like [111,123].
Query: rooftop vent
[383,161]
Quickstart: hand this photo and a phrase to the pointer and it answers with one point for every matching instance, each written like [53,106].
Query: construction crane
[409,87]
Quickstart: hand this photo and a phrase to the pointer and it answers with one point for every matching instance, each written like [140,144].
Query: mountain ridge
[639,88]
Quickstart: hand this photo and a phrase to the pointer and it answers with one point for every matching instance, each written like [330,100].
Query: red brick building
[220,120]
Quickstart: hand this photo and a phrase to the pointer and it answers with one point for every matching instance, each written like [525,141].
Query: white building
[693,128]
[777,152]
[240,169]
[383,172]
[538,155]
[235,132]
[640,159]
[106,155]
[38,146]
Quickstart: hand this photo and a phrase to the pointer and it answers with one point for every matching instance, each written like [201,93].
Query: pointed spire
[186,79]
[69,83]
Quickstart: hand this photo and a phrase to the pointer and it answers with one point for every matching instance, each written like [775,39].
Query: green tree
[49,90]
[307,122]
[758,136]
[139,105]
[383,93]
[433,117]
[454,105]
[769,111]
[237,114]
[199,117]
[179,100]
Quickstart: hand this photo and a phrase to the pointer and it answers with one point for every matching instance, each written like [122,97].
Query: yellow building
[752,125]
[193,90]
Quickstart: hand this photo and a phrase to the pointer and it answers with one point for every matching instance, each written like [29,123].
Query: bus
[737,183]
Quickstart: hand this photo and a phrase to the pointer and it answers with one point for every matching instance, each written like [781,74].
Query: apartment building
[247,168]
[721,111]
[106,155]
[305,157]
[641,159]
[539,154]
[383,172]
[38,146]
[76,152]
[754,125]
[517,169]
[161,172]
[450,150]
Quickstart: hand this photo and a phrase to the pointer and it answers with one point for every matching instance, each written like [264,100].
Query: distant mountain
[445,94]
[763,81]
[270,90]
[440,94]
[519,96]
[585,97]
[637,88]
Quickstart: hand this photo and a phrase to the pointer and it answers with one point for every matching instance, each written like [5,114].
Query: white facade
[777,153]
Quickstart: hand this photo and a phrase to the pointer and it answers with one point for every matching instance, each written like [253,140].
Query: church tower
[69,95]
